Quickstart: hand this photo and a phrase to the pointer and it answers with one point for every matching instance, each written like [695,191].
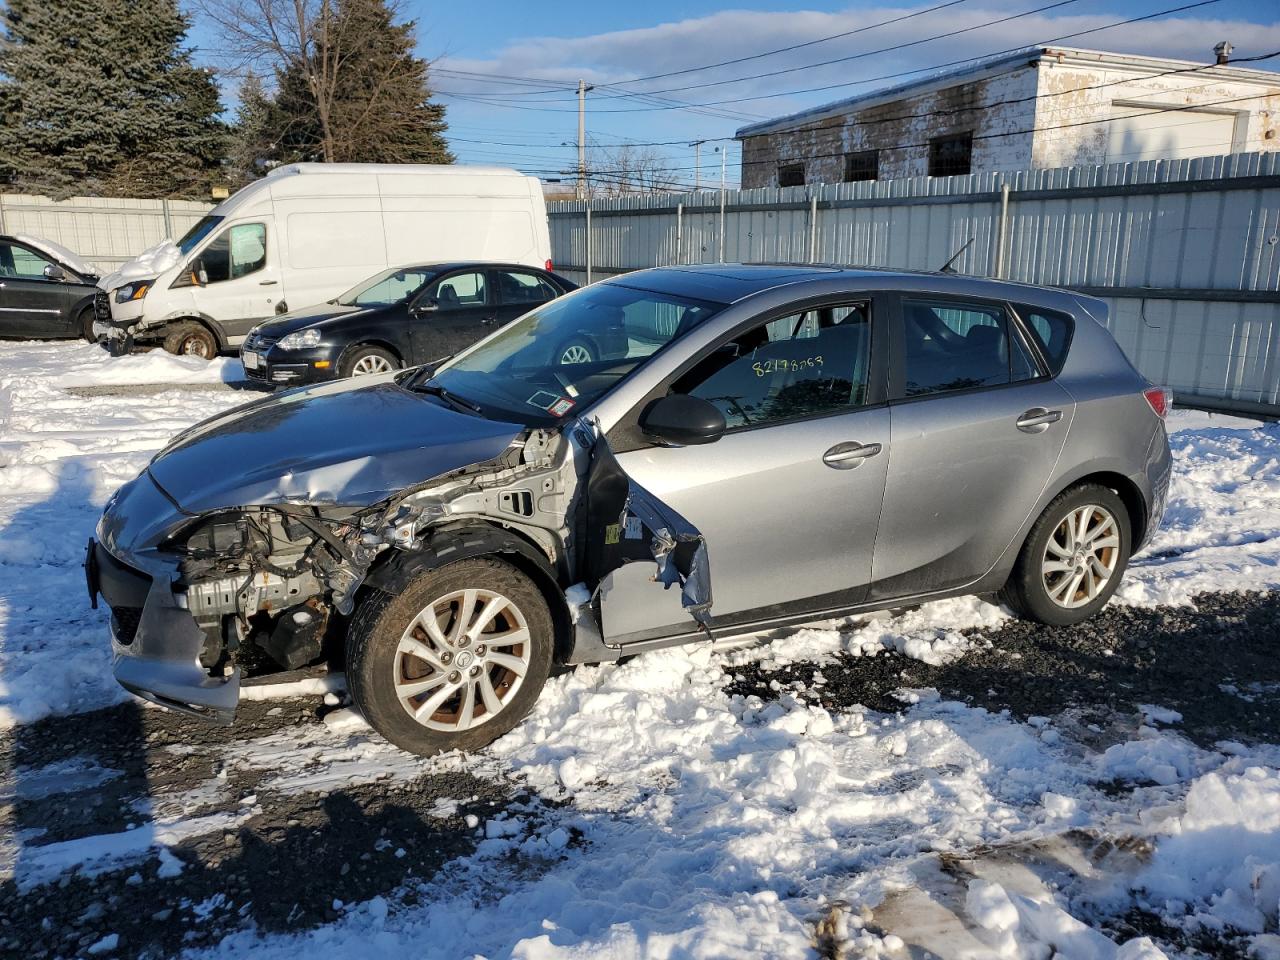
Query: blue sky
[528,125]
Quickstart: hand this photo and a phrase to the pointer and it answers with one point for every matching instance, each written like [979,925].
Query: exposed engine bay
[275,577]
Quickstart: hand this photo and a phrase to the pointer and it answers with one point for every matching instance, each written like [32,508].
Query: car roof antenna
[946,267]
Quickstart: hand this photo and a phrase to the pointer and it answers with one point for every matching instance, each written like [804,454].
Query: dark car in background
[46,291]
[398,318]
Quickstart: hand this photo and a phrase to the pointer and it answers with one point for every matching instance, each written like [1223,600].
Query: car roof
[732,282]
[444,265]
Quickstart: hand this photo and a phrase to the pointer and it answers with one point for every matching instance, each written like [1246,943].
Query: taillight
[550,266]
[1160,399]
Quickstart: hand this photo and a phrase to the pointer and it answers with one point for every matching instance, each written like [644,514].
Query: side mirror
[202,276]
[681,420]
[54,272]
[427,305]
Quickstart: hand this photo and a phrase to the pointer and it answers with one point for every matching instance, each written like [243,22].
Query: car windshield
[202,228]
[566,354]
[388,287]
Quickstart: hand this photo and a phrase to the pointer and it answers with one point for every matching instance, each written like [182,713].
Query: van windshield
[388,287]
[201,229]
[565,355]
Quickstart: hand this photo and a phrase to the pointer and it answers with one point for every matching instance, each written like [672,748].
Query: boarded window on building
[951,156]
[862,165]
[791,175]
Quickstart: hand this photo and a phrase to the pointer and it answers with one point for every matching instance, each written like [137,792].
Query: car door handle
[846,456]
[489,321]
[267,283]
[1037,420]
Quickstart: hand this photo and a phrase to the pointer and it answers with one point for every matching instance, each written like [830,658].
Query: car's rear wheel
[1073,559]
[455,660]
[367,361]
[190,339]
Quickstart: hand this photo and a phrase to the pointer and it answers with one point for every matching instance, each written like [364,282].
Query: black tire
[578,347]
[85,323]
[191,339]
[381,620]
[1027,592]
[347,366]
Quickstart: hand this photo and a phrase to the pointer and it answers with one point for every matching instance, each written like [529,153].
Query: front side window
[235,253]
[801,365]
[519,287]
[567,353]
[960,346]
[386,288]
[461,290]
[22,264]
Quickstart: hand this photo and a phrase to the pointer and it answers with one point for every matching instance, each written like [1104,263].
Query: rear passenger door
[977,425]
[520,291]
[451,314]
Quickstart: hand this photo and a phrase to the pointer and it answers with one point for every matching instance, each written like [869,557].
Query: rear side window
[951,345]
[1052,333]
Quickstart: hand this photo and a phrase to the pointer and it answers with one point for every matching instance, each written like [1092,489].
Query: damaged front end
[196,596]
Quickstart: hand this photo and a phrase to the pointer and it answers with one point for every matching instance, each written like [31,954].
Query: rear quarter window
[1051,331]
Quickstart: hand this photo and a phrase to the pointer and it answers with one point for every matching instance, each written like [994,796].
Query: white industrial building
[1039,108]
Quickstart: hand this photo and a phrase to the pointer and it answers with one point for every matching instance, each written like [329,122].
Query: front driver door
[32,304]
[977,427]
[451,315]
[789,498]
[242,281]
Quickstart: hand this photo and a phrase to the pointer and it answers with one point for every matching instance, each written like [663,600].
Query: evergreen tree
[99,96]
[255,135]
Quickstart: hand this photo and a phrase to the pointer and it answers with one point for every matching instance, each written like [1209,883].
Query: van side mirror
[681,420]
[54,272]
[202,275]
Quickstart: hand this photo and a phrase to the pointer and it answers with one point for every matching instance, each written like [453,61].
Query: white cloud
[623,55]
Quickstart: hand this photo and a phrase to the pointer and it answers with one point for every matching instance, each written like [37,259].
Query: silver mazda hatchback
[727,449]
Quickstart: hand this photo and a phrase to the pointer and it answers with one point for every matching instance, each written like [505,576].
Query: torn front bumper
[155,642]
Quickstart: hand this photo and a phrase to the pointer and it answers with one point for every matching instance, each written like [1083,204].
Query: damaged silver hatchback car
[826,440]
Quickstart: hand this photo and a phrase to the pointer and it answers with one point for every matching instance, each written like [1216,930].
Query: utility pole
[724,153]
[582,138]
[697,164]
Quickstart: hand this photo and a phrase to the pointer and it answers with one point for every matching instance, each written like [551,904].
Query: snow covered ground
[664,814]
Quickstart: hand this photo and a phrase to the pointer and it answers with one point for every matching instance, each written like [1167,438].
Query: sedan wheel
[370,364]
[1073,558]
[455,660]
[574,352]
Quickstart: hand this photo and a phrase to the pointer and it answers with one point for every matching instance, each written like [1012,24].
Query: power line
[906,73]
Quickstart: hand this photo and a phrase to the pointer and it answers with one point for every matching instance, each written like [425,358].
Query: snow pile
[89,365]
[1218,864]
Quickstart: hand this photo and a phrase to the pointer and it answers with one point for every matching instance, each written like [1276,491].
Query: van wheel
[1073,558]
[190,339]
[366,361]
[455,660]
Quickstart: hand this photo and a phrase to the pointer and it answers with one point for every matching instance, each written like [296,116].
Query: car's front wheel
[455,660]
[366,361]
[1073,559]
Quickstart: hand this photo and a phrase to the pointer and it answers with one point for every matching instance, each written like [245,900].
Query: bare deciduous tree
[630,170]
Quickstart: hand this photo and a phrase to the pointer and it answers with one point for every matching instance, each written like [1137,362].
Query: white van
[308,231]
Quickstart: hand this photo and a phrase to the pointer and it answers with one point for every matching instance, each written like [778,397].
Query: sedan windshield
[563,356]
[199,230]
[388,287]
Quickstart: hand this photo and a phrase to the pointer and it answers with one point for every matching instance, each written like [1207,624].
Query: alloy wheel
[575,353]
[1081,555]
[462,659]
[370,364]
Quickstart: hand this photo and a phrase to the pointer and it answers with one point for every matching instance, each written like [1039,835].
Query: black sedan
[398,318]
[46,291]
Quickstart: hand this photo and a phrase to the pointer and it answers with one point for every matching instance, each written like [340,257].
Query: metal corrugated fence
[104,230]
[1186,252]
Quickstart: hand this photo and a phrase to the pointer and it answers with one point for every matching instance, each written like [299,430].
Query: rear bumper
[156,644]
